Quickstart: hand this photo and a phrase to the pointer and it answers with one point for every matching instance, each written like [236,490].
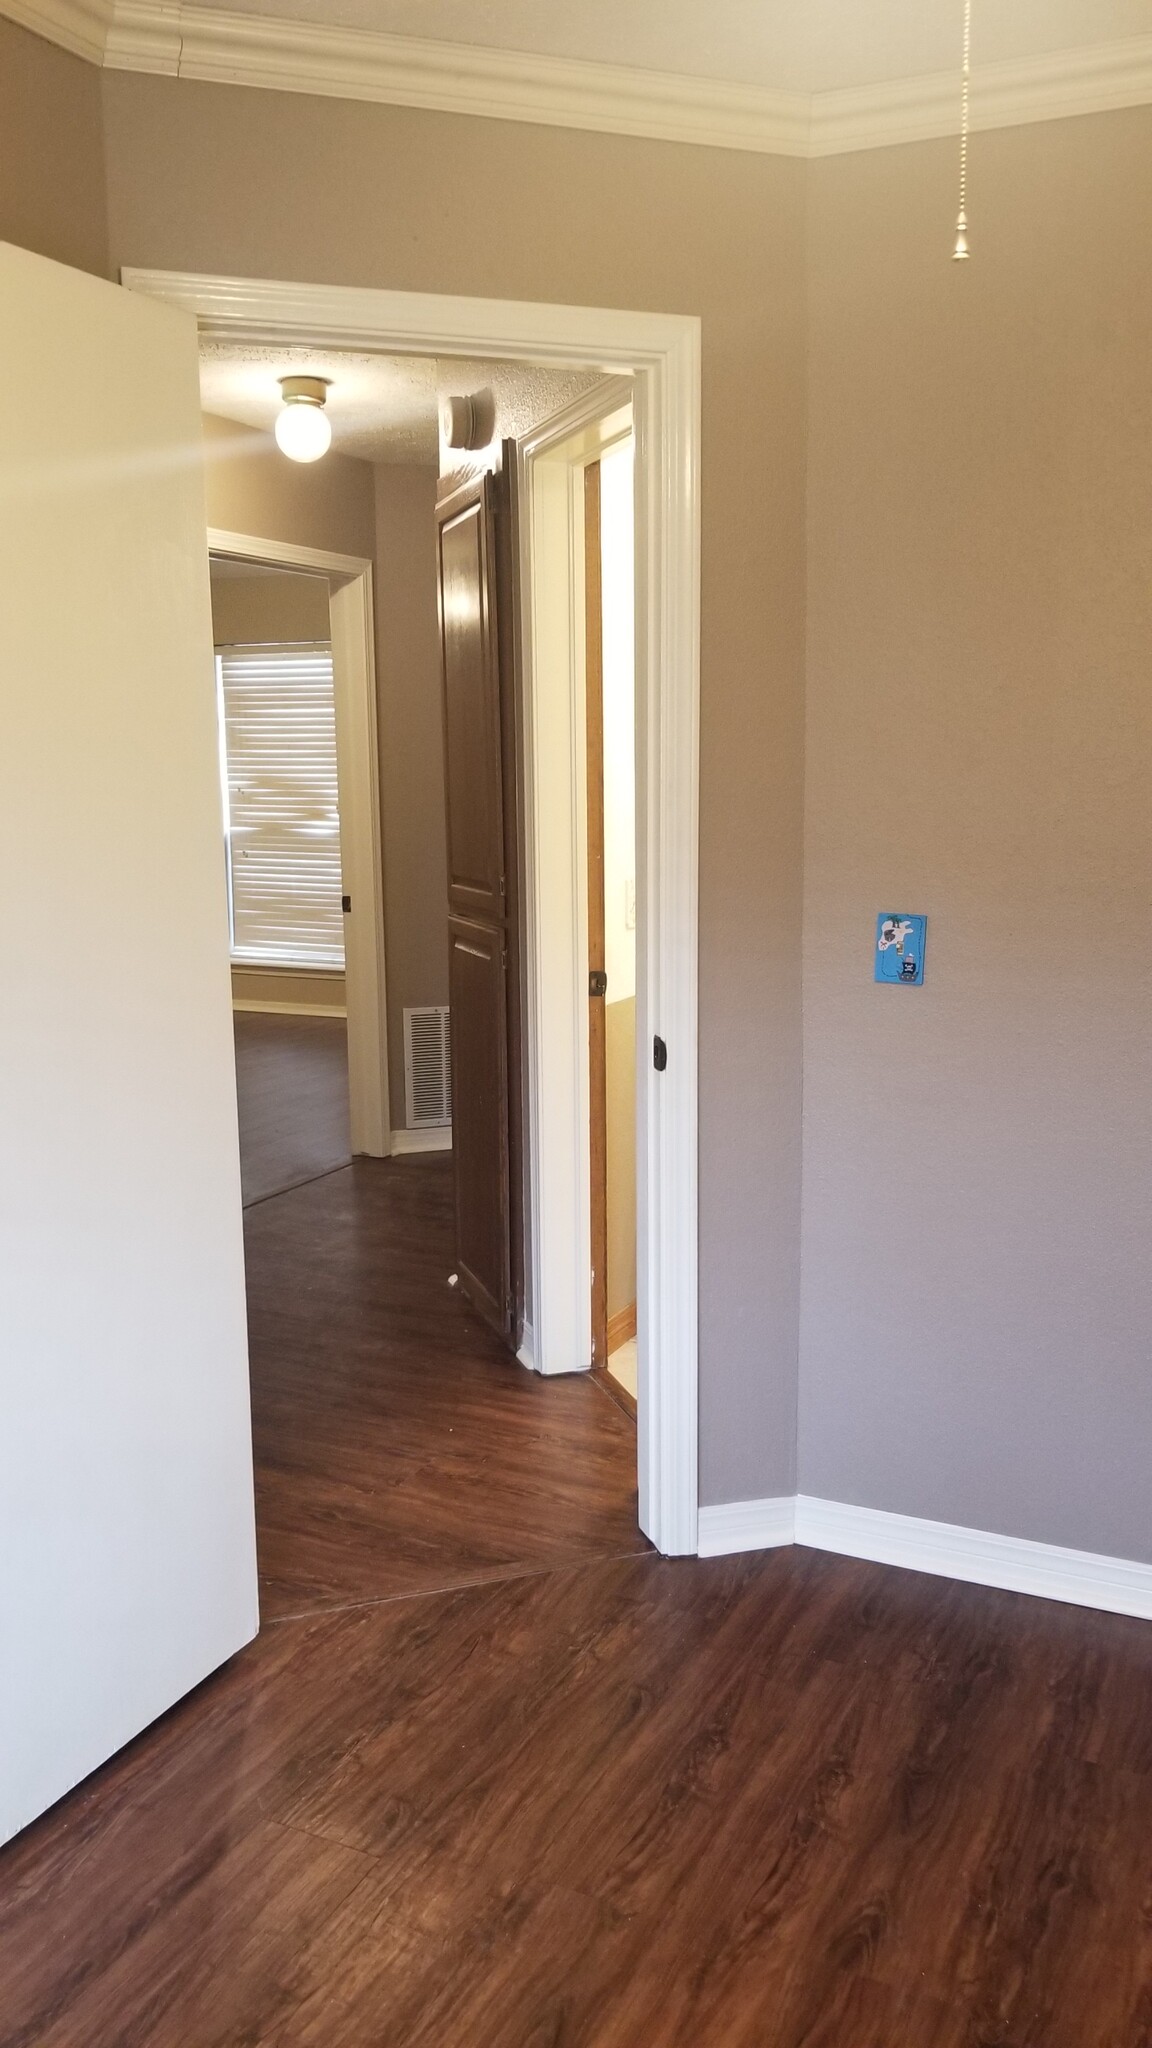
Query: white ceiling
[802,46]
[382,408]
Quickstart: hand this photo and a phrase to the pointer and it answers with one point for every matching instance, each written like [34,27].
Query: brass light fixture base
[304,390]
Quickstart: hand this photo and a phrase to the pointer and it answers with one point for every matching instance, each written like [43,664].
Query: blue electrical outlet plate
[900,947]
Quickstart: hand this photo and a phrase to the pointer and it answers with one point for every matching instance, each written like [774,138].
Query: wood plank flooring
[292,1085]
[399,1447]
[788,1800]
[512,1781]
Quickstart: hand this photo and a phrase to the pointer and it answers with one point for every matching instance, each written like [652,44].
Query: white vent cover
[427,1067]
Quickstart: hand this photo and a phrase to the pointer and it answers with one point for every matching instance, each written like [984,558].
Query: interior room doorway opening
[658,360]
[348,581]
[610,809]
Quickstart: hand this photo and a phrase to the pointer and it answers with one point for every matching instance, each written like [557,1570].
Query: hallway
[494,1775]
[399,1448]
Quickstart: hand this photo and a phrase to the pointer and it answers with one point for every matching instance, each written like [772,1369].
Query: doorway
[276,711]
[610,807]
[345,925]
[660,356]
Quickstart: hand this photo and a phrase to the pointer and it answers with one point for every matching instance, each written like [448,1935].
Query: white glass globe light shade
[303,431]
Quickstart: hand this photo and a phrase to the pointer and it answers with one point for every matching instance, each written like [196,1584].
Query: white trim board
[437,1138]
[747,1525]
[1013,1564]
[256,1006]
[661,352]
[550,486]
[181,41]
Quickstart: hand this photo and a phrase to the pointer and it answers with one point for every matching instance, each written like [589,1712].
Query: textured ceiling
[382,408]
[803,46]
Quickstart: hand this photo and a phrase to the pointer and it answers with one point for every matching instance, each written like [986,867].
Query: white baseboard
[1014,1564]
[526,1355]
[438,1138]
[746,1525]
[263,1009]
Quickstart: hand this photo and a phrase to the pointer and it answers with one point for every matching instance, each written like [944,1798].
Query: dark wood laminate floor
[575,1798]
[781,1802]
[292,1086]
[399,1448]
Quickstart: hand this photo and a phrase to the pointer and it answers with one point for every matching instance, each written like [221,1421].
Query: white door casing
[127,1552]
[550,493]
[661,354]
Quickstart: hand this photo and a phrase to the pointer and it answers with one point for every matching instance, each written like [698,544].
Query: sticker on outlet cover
[900,937]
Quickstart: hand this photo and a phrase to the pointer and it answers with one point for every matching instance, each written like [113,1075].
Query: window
[281,810]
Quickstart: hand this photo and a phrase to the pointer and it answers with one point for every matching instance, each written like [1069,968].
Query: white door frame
[358,782]
[661,354]
[550,489]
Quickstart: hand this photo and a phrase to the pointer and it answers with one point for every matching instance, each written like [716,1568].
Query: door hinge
[597,982]
[345,904]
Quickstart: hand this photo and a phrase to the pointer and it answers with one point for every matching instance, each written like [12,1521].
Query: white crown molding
[77,25]
[506,85]
[171,39]
[1088,81]
[168,38]
[746,1525]
[287,56]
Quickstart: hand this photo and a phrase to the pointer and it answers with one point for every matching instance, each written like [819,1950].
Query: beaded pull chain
[960,252]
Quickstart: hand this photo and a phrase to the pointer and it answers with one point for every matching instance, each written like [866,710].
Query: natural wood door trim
[615,1390]
[597,1050]
[621,1327]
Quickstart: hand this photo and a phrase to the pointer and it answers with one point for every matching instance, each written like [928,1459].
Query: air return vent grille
[427,1067]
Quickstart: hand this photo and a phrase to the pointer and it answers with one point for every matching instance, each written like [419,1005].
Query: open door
[597,957]
[127,1556]
[474,556]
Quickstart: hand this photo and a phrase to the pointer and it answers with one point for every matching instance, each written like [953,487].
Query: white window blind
[278,717]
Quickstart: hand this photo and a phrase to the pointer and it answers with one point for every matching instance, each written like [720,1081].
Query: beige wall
[250,610]
[253,489]
[51,152]
[411,752]
[217,178]
[978,1166]
[620,1078]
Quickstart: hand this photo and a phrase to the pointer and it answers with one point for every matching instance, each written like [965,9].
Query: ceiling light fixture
[960,252]
[303,429]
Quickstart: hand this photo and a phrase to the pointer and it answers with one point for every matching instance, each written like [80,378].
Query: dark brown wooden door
[480,780]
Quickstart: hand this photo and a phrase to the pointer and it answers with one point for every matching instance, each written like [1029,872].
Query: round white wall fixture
[468,422]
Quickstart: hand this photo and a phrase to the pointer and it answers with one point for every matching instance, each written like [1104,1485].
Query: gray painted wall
[977,1286]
